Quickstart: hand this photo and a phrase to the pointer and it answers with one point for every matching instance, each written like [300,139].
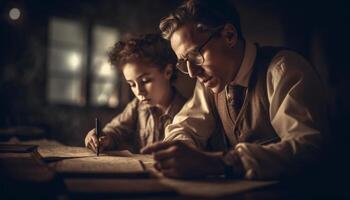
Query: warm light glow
[106,70]
[105,91]
[74,61]
[113,101]
[102,98]
[14,13]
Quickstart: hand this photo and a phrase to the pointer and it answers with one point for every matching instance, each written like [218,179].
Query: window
[78,68]
[104,76]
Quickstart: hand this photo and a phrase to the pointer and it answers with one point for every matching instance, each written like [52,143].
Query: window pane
[66,31]
[68,91]
[67,61]
[104,76]
[102,69]
[104,94]
[104,38]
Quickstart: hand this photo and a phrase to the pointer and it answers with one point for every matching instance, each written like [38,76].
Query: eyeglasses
[195,56]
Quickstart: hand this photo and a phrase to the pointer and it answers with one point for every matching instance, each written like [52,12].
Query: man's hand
[177,159]
[91,142]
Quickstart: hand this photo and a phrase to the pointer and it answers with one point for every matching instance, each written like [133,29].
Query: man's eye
[145,80]
[131,85]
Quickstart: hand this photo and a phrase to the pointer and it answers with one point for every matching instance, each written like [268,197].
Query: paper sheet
[116,186]
[16,148]
[56,152]
[213,188]
[100,165]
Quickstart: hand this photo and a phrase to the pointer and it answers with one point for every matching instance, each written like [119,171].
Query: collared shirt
[298,114]
[246,68]
[140,124]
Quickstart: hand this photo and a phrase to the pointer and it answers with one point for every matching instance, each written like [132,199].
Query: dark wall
[314,28]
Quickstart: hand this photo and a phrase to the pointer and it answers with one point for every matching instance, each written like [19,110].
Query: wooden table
[25,174]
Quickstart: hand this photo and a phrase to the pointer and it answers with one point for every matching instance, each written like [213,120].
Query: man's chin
[216,89]
[213,85]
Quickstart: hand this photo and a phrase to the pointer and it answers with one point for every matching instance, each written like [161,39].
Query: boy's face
[147,82]
[216,70]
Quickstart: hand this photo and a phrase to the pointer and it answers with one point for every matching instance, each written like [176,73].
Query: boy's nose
[140,90]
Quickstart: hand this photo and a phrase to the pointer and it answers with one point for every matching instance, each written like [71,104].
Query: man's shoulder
[285,59]
[280,51]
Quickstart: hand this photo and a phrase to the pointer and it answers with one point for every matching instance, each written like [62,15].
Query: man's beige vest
[252,124]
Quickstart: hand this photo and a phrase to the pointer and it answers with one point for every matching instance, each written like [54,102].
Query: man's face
[215,71]
[148,83]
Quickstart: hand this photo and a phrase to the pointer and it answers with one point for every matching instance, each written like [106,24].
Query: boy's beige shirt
[140,124]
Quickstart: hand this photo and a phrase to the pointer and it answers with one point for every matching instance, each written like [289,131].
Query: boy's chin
[148,102]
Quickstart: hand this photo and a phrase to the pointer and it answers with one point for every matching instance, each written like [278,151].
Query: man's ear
[168,71]
[230,35]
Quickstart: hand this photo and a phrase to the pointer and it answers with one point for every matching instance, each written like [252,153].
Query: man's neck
[237,59]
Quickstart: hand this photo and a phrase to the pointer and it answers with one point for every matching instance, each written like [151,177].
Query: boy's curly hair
[148,48]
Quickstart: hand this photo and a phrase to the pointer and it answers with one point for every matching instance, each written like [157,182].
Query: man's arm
[179,155]
[196,121]
[298,113]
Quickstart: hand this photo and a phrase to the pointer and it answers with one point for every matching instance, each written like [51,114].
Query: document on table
[60,152]
[16,148]
[117,187]
[80,161]
[100,165]
[213,188]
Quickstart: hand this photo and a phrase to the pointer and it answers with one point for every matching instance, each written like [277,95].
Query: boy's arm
[122,128]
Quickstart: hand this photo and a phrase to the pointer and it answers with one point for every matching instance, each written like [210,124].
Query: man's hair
[211,13]
[147,48]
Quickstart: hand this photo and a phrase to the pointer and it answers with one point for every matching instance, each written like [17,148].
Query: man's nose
[193,70]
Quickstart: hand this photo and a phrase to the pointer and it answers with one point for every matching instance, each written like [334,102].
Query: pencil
[97,129]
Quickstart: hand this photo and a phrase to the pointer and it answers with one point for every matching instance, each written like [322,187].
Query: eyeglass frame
[197,50]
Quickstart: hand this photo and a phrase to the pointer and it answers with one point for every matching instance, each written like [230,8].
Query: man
[269,102]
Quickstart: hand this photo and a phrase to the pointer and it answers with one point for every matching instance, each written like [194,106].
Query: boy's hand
[91,142]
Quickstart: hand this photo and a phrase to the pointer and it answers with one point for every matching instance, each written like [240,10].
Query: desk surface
[26,174]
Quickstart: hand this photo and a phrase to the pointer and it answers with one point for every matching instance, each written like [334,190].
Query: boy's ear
[230,34]
[168,71]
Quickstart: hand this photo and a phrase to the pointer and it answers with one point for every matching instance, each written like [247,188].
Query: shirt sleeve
[122,127]
[196,121]
[298,114]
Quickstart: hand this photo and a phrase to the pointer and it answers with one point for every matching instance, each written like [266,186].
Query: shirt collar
[246,68]
[173,108]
